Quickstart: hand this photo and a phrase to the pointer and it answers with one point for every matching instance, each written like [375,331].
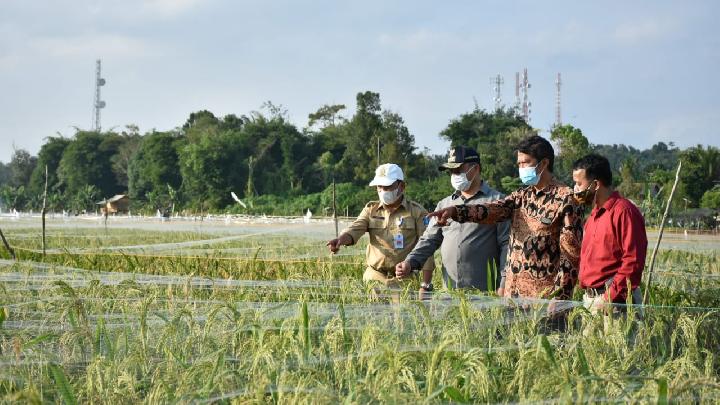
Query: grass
[120,327]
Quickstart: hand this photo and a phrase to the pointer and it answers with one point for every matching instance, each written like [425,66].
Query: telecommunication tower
[98,104]
[524,86]
[517,91]
[558,116]
[497,82]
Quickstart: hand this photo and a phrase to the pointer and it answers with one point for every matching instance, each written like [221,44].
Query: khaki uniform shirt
[383,228]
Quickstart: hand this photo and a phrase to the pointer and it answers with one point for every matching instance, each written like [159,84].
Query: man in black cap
[472,254]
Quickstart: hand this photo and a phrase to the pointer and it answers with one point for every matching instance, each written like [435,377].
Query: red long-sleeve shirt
[613,248]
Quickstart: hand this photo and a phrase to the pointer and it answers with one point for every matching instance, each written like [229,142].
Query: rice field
[239,310]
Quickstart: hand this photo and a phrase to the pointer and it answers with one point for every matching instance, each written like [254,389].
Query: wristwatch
[426,286]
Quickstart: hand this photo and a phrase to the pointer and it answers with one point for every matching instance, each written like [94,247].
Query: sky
[635,72]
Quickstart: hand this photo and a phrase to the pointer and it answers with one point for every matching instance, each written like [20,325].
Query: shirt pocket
[376,229]
[376,223]
[408,230]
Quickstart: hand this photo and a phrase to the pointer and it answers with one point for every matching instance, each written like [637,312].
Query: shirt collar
[552,185]
[609,204]
[404,204]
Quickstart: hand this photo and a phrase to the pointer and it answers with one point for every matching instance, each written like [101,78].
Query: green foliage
[21,166]
[13,197]
[266,160]
[350,199]
[85,198]
[508,184]
[4,174]
[87,161]
[138,328]
[210,169]
[122,157]
[62,384]
[659,156]
[628,183]
[494,135]
[51,152]
[429,192]
[701,168]
[572,145]
[711,199]
[155,165]
[328,115]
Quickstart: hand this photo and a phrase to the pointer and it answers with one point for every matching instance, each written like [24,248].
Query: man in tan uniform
[394,225]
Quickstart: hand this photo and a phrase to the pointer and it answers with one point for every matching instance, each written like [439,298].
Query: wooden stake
[335,217]
[44,210]
[7,246]
[660,235]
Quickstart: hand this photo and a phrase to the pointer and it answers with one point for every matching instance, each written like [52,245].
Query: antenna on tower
[98,104]
[497,82]
[558,116]
[524,86]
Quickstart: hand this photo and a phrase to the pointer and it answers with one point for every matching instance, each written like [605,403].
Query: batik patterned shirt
[545,238]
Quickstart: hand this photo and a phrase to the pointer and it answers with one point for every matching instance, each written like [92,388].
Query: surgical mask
[460,181]
[529,176]
[585,197]
[388,197]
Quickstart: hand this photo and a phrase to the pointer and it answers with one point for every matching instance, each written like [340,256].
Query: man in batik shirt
[546,231]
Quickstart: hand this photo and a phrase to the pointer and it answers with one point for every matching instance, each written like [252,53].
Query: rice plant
[109,326]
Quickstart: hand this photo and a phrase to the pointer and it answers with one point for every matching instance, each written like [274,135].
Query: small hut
[120,203]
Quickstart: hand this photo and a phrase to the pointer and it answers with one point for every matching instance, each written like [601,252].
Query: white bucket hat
[387,174]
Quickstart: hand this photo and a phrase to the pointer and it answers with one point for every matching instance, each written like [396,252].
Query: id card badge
[399,241]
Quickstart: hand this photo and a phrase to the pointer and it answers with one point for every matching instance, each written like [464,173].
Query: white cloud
[170,7]
[644,31]
[688,129]
[89,46]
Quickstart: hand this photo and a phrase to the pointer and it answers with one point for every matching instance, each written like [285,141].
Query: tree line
[274,167]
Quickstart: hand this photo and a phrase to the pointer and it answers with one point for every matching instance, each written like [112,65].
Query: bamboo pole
[660,235]
[44,210]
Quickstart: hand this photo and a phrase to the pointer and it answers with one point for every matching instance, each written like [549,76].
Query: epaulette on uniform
[372,203]
[418,207]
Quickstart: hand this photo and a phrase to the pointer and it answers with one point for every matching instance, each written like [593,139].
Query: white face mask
[389,197]
[460,181]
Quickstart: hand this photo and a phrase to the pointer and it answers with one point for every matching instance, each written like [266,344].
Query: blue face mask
[529,176]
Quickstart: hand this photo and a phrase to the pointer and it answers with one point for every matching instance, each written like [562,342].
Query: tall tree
[4,174]
[21,166]
[572,145]
[361,136]
[50,154]
[127,148]
[701,169]
[87,160]
[494,135]
[327,115]
[155,165]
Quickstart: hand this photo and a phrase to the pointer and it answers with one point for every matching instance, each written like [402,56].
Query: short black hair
[596,167]
[539,148]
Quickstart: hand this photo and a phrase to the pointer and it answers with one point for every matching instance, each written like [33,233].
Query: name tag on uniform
[399,241]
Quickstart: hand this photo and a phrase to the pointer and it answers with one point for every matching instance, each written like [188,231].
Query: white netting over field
[257,310]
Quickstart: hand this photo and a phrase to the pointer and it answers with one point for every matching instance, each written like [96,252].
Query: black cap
[459,155]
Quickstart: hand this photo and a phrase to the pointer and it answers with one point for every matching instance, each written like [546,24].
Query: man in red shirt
[614,244]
